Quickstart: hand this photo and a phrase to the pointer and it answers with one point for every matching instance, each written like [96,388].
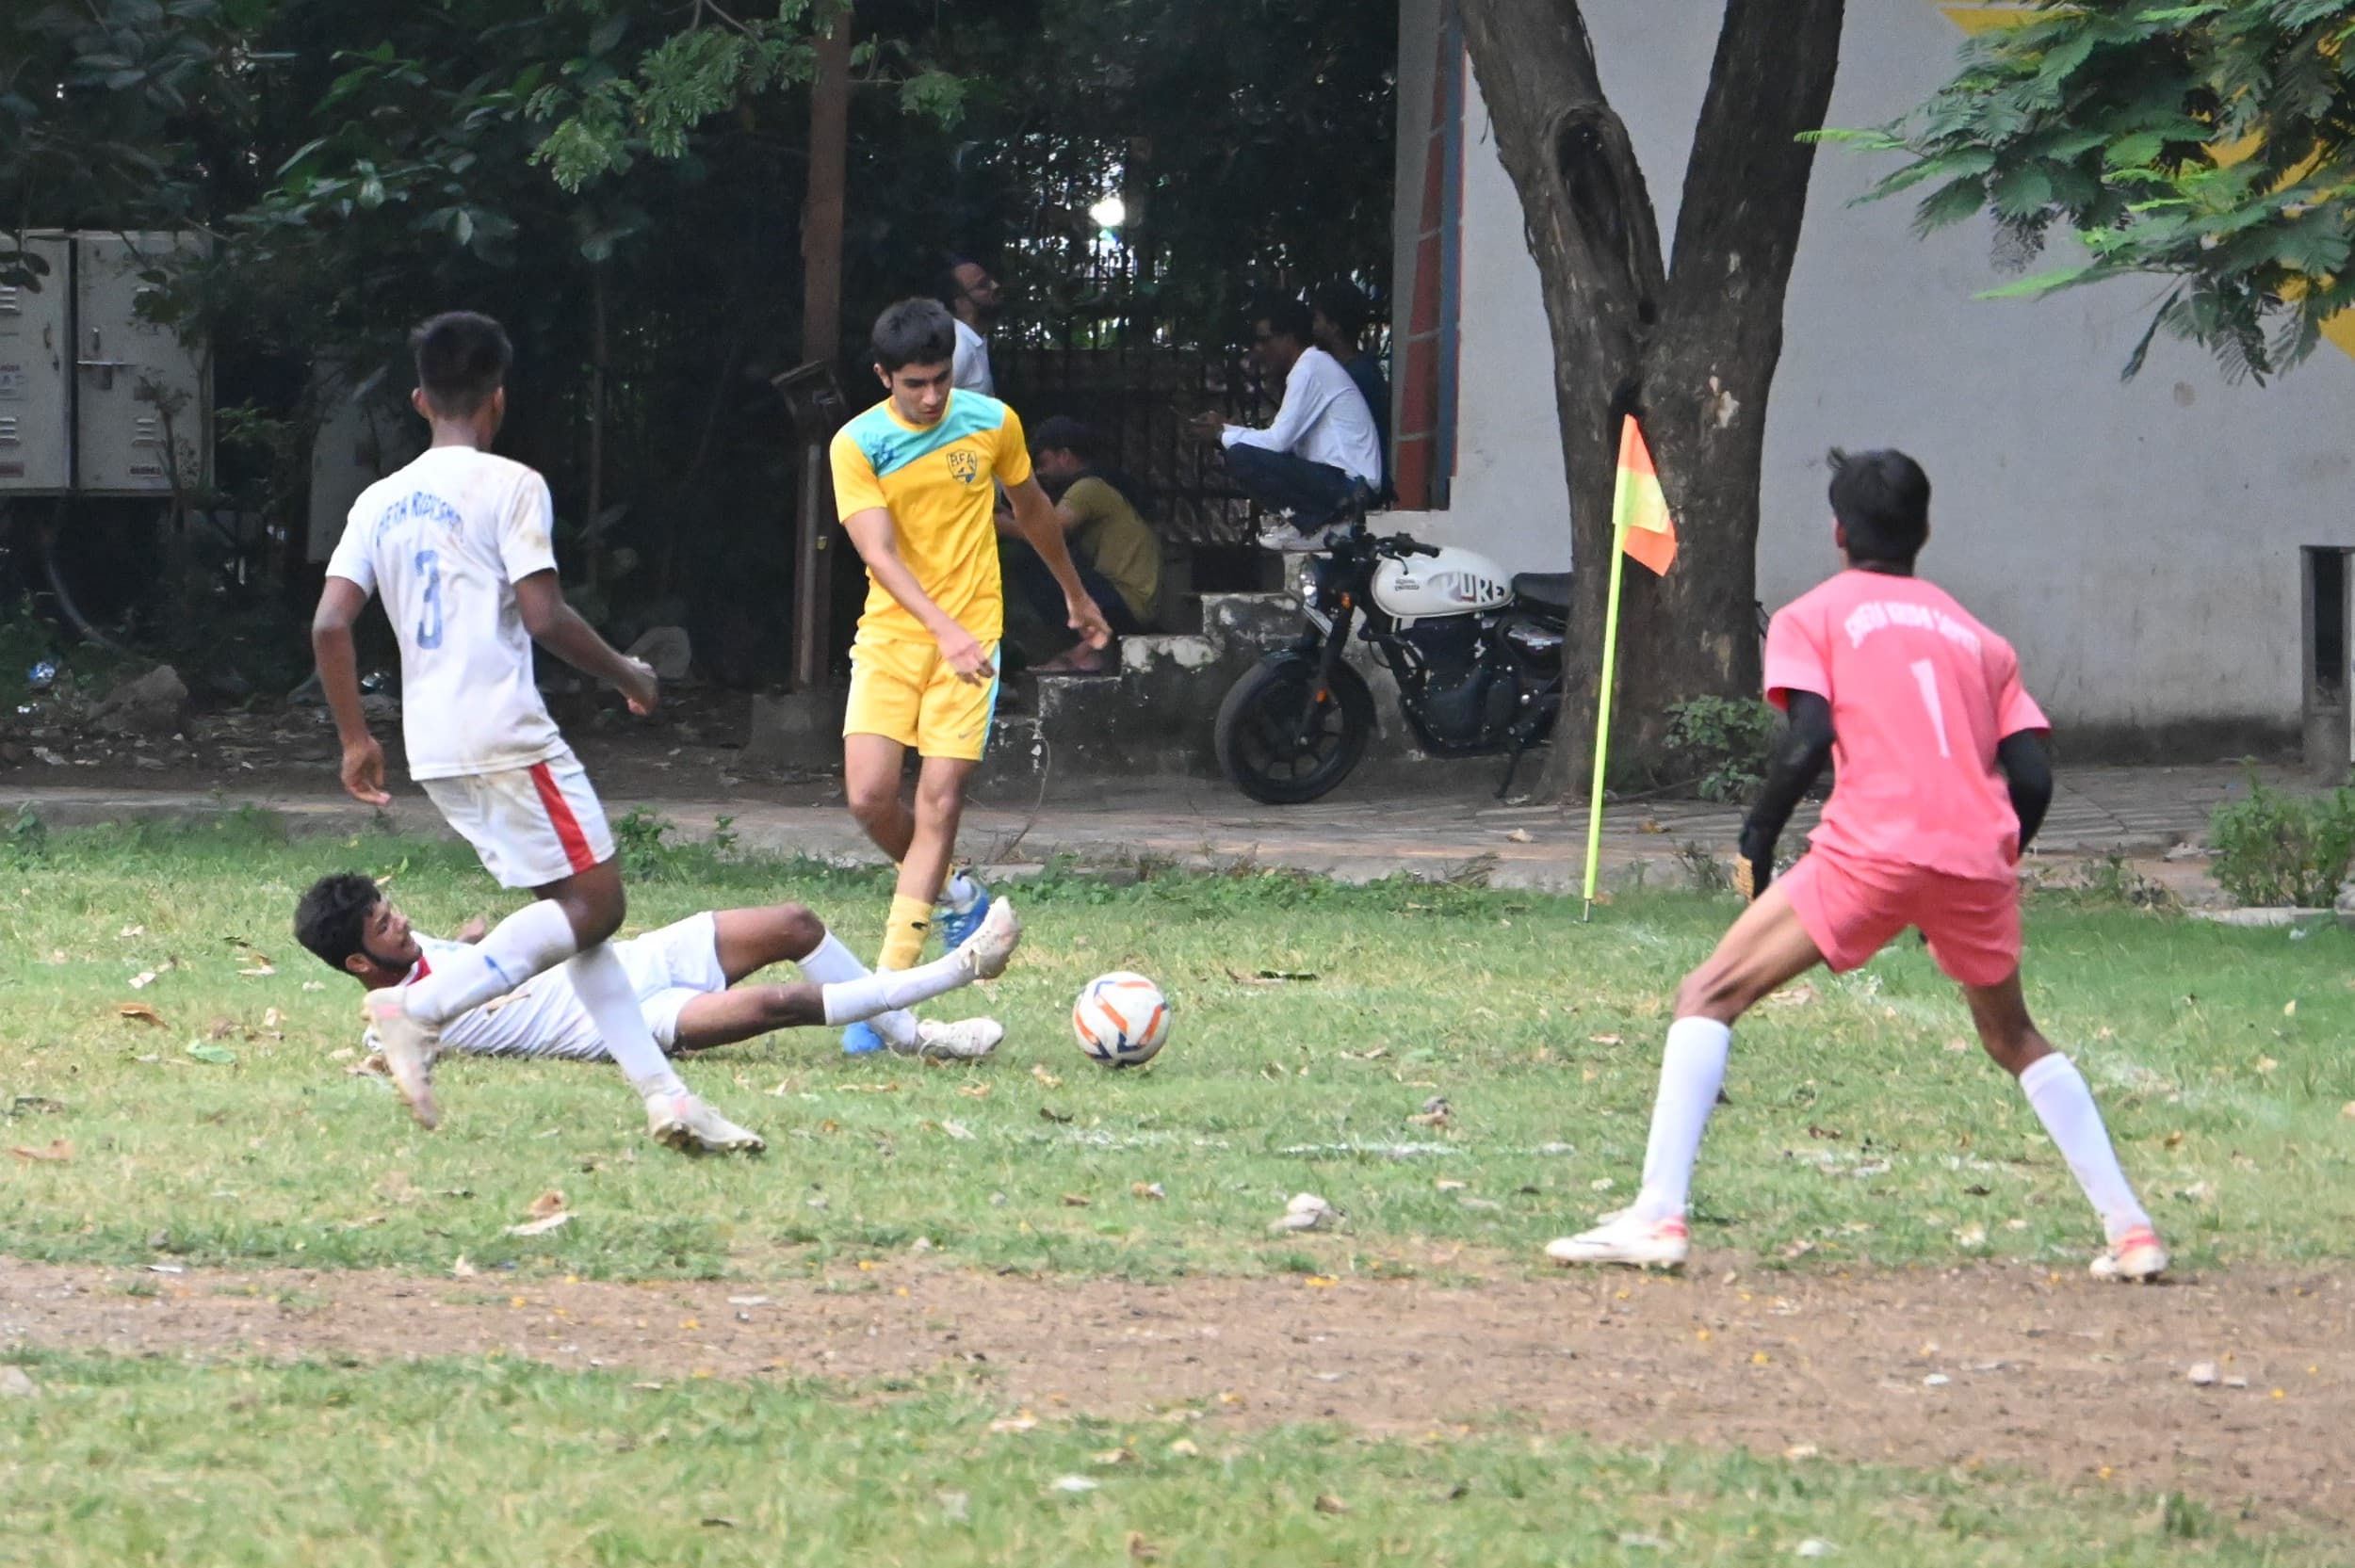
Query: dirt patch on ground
[2049,1374]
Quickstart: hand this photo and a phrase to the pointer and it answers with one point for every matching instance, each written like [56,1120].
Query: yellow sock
[903,933]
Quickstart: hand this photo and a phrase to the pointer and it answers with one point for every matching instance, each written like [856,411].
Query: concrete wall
[2138,542]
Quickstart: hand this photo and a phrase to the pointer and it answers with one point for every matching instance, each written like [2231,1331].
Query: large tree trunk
[1690,348]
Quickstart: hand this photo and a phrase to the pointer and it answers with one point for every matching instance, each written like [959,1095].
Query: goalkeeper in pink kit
[1939,780]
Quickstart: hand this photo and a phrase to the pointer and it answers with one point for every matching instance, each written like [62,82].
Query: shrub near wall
[2275,850]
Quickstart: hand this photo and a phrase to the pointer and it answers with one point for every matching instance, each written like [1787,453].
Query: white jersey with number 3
[443,543]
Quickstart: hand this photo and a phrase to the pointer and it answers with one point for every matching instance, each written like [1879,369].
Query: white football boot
[410,1046]
[984,955]
[963,1040]
[1624,1239]
[685,1122]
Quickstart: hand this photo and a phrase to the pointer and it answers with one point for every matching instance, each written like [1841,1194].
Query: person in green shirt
[1118,556]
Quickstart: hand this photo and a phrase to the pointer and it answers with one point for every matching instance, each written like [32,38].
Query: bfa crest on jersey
[965,466]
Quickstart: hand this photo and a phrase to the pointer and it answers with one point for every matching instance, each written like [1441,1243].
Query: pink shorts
[1852,908]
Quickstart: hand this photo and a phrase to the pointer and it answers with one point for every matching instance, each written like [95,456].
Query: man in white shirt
[457,544]
[680,975]
[973,298]
[1321,455]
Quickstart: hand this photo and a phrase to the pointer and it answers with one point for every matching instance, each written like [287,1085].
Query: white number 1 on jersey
[1926,673]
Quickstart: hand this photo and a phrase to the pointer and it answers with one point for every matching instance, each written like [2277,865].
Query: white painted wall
[2138,542]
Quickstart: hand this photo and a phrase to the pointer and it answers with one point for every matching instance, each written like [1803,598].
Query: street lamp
[1110,213]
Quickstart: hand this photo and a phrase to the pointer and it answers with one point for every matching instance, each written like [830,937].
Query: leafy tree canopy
[2211,144]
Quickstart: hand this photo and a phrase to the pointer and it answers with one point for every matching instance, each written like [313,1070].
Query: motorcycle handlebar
[1399,544]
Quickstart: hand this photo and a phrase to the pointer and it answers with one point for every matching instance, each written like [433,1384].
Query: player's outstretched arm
[877,539]
[1797,761]
[340,604]
[555,625]
[1036,516]
[2028,775]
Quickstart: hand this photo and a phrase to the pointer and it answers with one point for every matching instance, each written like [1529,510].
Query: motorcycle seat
[1550,590]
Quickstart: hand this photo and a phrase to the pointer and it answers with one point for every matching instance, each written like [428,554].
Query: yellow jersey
[936,482]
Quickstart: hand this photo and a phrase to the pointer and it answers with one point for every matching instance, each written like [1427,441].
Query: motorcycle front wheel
[1285,736]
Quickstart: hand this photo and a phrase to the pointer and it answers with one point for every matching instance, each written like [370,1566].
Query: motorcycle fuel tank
[1453,582]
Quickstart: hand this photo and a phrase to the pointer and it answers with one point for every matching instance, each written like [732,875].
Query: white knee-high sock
[1690,1070]
[2064,1105]
[536,937]
[891,990]
[831,965]
[604,987]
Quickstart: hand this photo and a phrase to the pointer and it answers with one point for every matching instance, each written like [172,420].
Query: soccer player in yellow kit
[915,482]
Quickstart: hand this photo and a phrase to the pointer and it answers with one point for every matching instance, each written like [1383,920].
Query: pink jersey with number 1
[1920,695]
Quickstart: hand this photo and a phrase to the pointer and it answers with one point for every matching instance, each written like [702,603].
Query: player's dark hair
[914,331]
[333,917]
[1289,319]
[1883,500]
[1063,433]
[948,285]
[461,359]
[1344,305]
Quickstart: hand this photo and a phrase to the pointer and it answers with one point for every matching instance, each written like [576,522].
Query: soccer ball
[1121,1019]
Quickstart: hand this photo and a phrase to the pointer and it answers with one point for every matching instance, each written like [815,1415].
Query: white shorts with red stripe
[532,826]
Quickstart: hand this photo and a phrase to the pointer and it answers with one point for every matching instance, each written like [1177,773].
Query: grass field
[215,1125]
[1864,1128]
[459,1463]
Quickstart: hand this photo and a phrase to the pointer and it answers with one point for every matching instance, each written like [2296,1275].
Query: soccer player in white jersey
[680,975]
[457,544]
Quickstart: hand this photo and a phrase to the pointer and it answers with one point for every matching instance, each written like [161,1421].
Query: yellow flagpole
[1602,699]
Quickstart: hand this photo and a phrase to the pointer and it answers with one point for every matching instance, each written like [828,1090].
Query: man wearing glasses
[1321,455]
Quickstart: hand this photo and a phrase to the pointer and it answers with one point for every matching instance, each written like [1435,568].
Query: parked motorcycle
[1477,656]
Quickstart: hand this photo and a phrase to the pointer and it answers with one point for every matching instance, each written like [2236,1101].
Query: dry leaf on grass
[55,1151]
[541,1226]
[138,1013]
[1043,1075]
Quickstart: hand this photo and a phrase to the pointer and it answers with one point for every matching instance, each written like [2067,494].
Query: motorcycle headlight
[1310,583]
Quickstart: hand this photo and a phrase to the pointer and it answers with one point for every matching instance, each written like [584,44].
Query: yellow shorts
[905,691]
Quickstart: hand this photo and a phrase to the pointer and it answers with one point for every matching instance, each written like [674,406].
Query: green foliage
[620,182]
[2213,144]
[1721,742]
[2273,848]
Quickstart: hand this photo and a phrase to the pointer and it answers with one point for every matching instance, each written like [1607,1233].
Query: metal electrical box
[101,400]
[360,439]
[142,414]
[36,382]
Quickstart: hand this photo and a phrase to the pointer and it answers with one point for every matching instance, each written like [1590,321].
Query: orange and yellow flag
[1639,509]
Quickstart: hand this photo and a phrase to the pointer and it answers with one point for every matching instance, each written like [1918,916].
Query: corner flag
[1639,511]
[1640,526]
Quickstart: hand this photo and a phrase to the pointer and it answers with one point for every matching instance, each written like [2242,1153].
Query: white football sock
[891,991]
[536,937]
[1691,1069]
[830,965]
[603,985]
[2064,1105]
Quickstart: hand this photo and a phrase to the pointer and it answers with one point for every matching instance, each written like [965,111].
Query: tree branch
[1745,186]
[1569,154]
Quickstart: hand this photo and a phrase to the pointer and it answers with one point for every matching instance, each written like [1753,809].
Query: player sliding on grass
[458,545]
[679,974]
[1940,780]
